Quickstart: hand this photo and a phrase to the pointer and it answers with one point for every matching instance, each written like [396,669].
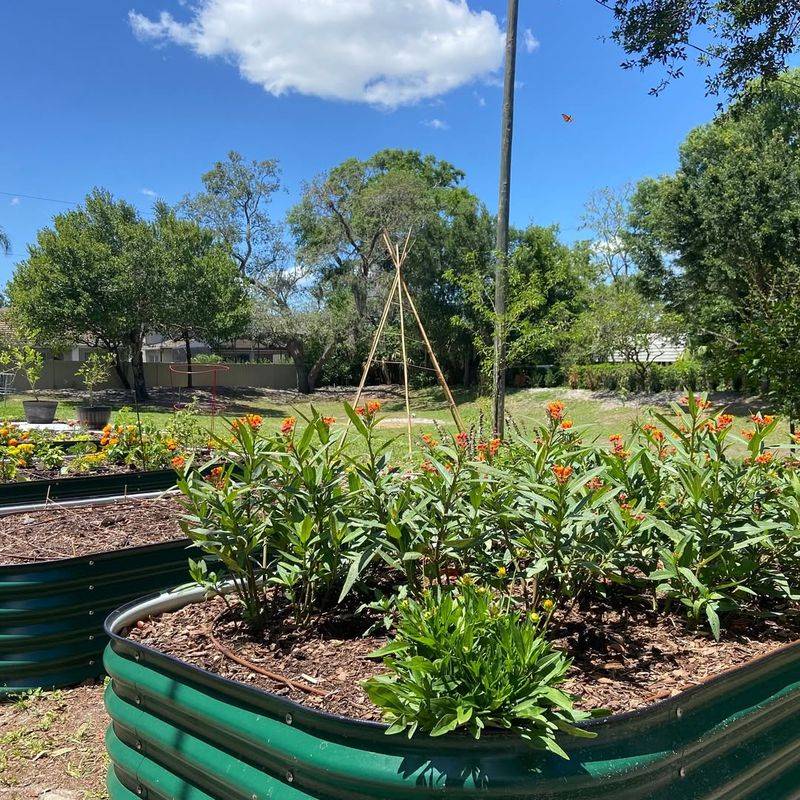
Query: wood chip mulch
[62,531]
[621,662]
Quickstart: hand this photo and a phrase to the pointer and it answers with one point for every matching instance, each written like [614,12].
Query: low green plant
[466,659]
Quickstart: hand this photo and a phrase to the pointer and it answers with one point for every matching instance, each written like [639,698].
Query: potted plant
[95,370]
[30,363]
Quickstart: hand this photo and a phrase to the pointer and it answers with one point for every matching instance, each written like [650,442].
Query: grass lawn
[602,414]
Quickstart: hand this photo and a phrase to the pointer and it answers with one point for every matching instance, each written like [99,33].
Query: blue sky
[86,101]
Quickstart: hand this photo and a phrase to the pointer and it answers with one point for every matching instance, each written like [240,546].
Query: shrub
[686,373]
[465,659]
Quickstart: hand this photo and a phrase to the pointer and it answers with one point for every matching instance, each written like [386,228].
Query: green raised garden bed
[52,612]
[181,732]
[20,493]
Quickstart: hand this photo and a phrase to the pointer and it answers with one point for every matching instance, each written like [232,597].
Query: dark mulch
[61,531]
[620,662]
[38,474]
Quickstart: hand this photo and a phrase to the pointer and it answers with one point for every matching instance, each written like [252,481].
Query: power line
[35,197]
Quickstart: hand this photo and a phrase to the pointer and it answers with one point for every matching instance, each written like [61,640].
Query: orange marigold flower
[287,426]
[566,424]
[178,462]
[748,435]
[373,407]
[428,467]
[171,444]
[429,440]
[12,442]
[328,420]
[762,420]
[724,421]
[562,473]
[764,458]
[555,410]
[494,445]
[462,439]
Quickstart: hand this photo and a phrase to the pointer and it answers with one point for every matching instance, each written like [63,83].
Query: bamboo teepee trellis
[399,291]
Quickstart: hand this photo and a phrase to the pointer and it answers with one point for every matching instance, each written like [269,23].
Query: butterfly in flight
[567,117]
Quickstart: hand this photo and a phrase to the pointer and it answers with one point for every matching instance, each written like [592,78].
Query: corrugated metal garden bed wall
[52,612]
[181,732]
[21,493]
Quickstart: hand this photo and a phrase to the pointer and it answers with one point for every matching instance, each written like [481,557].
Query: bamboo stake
[439,374]
[376,340]
[403,350]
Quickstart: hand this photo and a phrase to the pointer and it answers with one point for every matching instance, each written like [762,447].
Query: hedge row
[684,374]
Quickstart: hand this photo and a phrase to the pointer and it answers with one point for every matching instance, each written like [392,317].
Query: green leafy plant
[94,371]
[30,363]
[465,659]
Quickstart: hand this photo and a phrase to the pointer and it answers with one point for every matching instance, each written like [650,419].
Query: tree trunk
[297,353]
[501,243]
[313,373]
[122,373]
[188,345]
[137,366]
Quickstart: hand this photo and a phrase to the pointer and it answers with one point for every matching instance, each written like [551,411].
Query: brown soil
[51,745]
[61,531]
[620,662]
[34,474]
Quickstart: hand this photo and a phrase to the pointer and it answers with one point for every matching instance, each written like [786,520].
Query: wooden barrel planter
[52,612]
[181,732]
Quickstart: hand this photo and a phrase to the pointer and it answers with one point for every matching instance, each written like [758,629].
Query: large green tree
[289,298]
[94,277]
[338,227]
[204,294]
[736,40]
[719,239]
[547,282]
[620,324]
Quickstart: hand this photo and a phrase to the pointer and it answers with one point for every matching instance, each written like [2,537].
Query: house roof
[660,350]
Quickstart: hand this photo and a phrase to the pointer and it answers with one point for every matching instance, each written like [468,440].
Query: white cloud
[149,192]
[530,41]
[383,52]
[436,124]
[15,201]
[479,99]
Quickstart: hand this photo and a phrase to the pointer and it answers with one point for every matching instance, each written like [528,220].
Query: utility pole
[501,241]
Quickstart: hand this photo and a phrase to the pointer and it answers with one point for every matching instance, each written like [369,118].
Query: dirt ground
[51,745]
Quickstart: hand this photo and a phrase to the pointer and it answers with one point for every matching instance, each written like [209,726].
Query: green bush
[463,659]
[687,373]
